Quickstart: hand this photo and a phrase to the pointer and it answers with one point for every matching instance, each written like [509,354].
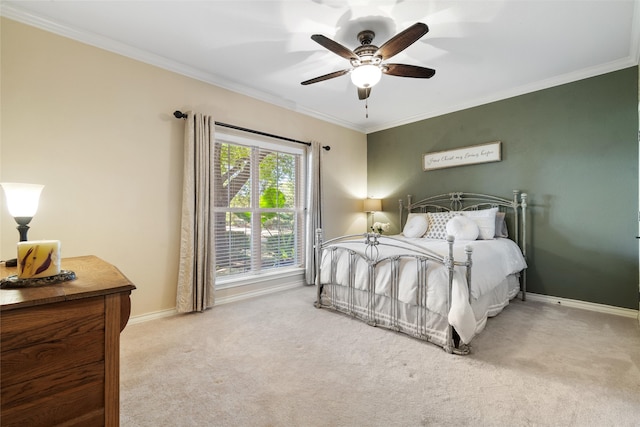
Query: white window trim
[253,278]
[257,278]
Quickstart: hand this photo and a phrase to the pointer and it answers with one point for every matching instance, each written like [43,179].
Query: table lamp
[373,206]
[22,203]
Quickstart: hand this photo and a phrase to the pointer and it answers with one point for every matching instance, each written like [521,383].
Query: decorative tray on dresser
[60,347]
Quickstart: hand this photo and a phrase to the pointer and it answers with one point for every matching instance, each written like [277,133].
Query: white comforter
[492,262]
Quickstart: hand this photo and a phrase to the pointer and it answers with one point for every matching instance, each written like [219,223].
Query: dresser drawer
[53,364]
[74,397]
[47,323]
[26,363]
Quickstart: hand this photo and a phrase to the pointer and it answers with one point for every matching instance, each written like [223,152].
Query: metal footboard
[389,317]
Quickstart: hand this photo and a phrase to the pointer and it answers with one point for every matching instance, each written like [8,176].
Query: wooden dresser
[60,347]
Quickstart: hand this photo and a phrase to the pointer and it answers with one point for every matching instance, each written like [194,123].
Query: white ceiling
[482,50]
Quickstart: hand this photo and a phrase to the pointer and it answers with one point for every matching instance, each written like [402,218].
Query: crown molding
[105,43]
[517,91]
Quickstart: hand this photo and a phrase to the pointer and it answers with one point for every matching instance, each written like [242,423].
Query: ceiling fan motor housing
[366,51]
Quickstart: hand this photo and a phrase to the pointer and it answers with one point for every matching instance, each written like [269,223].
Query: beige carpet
[277,361]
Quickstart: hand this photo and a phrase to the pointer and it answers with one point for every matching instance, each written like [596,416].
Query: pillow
[501,225]
[438,224]
[462,228]
[486,221]
[416,225]
[414,214]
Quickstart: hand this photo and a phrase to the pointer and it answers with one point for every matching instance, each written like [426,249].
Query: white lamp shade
[22,199]
[366,76]
[372,205]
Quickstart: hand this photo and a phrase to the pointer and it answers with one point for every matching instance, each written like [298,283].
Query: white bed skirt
[410,318]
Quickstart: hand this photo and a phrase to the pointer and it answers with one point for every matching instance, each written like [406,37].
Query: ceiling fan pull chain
[366,108]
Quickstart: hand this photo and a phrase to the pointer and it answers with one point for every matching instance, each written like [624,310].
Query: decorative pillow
[414,214]
[416,225]
[462,228]
[438,224]
[486,221]
[501,225]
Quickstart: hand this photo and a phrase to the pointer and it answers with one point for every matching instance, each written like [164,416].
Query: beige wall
[97,130]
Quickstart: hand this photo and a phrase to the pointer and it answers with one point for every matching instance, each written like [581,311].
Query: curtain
[196,276]
[313,209]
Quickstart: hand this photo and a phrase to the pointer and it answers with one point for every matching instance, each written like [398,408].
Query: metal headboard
[515,213]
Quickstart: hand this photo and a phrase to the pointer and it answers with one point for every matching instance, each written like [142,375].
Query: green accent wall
[573,148]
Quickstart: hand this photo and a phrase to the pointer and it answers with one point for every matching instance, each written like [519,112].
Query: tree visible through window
[258,210]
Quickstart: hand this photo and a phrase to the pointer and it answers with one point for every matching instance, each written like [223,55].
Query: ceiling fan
[367,60]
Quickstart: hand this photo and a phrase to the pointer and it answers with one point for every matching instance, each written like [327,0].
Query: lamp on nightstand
[372,206]
[22,203]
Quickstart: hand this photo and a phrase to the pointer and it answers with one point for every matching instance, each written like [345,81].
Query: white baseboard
[219,301]
[600,308]
[152,316]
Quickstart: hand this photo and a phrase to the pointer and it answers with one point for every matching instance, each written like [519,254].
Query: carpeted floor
[278,361]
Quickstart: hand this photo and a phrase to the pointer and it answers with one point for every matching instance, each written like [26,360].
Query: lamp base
[11,262]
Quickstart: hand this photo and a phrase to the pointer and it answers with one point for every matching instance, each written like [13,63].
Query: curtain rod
[180,115]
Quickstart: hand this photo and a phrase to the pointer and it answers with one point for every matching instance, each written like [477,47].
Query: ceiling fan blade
[403,70]
[402,40]
[326,77]
[334,47]
[363,93]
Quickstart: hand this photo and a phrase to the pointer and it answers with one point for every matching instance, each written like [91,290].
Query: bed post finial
[449,263]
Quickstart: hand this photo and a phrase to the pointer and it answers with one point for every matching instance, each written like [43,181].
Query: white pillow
[416,225]
[486,221]
[462,228]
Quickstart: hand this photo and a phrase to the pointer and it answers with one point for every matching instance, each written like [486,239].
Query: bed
[460,259]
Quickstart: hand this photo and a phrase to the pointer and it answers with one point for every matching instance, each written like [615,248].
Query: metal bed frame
[515,210]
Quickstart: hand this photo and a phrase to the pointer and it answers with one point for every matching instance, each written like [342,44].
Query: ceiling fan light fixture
[366,76]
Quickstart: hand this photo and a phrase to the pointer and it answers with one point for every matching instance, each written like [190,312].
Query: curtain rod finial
[179,114]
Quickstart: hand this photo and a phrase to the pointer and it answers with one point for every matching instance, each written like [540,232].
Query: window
[258,209]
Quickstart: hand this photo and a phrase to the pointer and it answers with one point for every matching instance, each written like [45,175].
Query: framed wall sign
[482,153]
